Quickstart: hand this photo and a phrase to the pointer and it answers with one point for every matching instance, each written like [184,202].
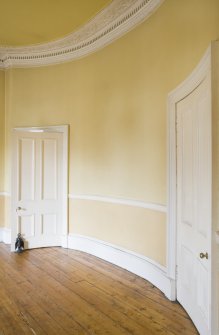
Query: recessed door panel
[49,224]
[187,162]
[203,158]
[27,226]
[202,292]
[49,169]
[26,187]
[188,268]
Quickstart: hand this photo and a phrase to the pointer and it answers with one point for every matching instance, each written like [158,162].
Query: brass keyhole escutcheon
[202,255]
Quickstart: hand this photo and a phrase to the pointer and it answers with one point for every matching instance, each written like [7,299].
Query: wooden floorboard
[59,291]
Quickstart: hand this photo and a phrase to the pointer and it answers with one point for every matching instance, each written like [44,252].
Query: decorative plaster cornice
[114,21]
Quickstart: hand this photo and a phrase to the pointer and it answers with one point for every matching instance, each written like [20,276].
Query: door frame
[184,89]
[64,129]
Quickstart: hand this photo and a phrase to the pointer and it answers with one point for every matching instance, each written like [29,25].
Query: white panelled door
[194,205]
[38,188]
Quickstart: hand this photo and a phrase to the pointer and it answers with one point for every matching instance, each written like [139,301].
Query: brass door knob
[202,255]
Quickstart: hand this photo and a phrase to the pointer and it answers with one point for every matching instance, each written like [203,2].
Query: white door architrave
[205,68]
[40,184]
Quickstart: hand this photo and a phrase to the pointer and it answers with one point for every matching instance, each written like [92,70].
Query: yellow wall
[122,225]
[2,211]
[2,144]
[115,104]
[31,22]
[5,205]
[2,128]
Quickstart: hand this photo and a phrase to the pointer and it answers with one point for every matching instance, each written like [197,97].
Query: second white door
[194,205]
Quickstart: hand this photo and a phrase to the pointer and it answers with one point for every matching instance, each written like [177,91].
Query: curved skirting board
[120,201]
[133,262]
[114,21]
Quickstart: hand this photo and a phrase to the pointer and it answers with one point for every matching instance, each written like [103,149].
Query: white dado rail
[4,194]
[121,201]
[111,23]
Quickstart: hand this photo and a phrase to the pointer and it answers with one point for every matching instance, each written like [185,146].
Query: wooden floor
[60,291]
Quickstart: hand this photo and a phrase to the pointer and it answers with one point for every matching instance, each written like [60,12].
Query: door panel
[27,225]
[194,204]
[203,302]
[49,224]
[187,271]
[26,169]
[49,169]
[187,187]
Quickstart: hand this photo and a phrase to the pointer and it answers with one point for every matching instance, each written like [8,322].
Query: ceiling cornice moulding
[111,23]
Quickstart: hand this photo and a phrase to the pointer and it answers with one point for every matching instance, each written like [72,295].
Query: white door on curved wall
[194,205]
[37,188]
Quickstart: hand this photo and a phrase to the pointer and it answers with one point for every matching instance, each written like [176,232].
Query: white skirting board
[133,262]
[5,235]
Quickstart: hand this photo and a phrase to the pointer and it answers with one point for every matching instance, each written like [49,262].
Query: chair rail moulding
[127,202]
[4,194]
[111,23]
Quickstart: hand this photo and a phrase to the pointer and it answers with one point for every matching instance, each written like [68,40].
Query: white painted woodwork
[121,201]
[193,115]
[37,204]
[118,18]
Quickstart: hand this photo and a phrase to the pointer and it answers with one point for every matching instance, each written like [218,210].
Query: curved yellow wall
[115,104]
[2,128]
[2,144]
